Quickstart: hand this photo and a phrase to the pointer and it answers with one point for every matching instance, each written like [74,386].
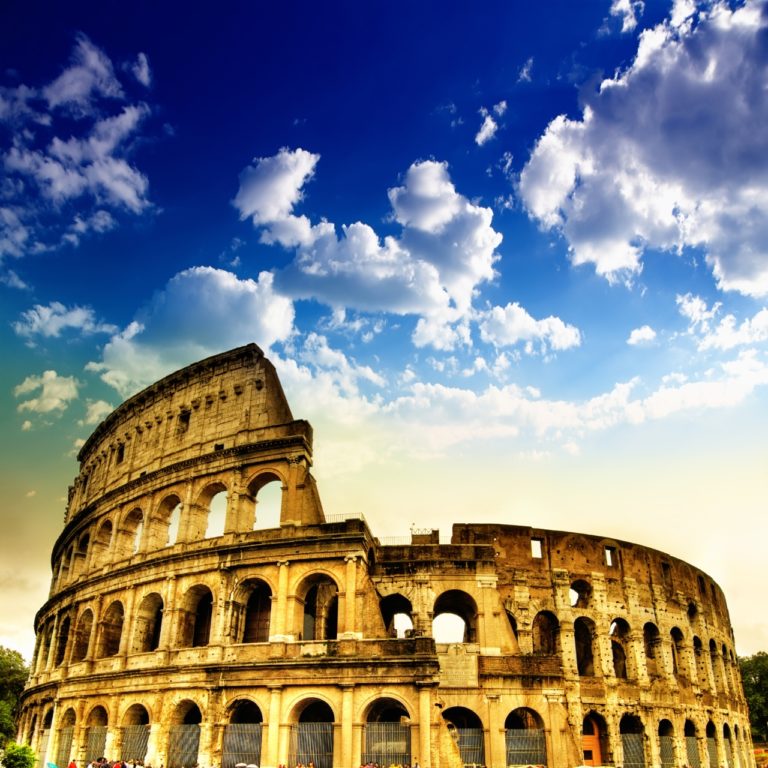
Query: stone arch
[397,614]
[319,595]
[81,555]
[312,733]
[68,564]
[148,623]
[62,639]
[387,732]
[666,744]
[97,722]
[195,617]
[129,533]
[545,633]
[619,634]
[135,714]
[525,738]
[255,608]
[165,524]
[467,728]
[102,543]
[580,593]
[728,744]
[651,645]
[711,737]
[184,734]
[242,734]
[691,744]
[583,636]
[82,637]
[266,495]
[699,658]
[455,602]
[134,733]
[594,739]
[512,621]
[111,630]
[678,642]
[212,506]
[632,735]
[65,735]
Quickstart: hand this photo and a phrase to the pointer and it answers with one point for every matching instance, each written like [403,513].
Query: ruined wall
[184,625]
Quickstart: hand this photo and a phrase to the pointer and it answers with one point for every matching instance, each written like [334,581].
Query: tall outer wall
[183,629]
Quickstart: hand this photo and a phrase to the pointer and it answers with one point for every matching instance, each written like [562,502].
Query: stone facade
[183,627]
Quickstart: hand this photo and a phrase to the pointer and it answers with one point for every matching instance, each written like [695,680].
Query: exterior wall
[292,624]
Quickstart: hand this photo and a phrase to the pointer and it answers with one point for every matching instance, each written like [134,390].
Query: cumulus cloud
[487,129]
[446,248]
[53,393]
[49,321]
[670,153]
[95,411]
[727,333]
[67,158]
[643,335]
[510,325]
[627,12]
[201,311]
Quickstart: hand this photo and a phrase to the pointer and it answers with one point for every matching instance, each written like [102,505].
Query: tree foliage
[18,756]
[754,673]
[13,675]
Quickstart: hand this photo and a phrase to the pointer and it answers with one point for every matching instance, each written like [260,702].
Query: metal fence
[242,744]
[692,751]
[311,741]
[526,746]
[42,747]
[471,746]
[183,743]
[387,744]
[95,742]
[64,749]
[634,751]
[135,739]
[728,753]
[667,751]
[712,752]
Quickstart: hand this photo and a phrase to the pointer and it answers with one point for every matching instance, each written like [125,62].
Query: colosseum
[186,627]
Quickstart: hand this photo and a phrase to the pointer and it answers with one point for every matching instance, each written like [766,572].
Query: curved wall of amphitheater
[185,625]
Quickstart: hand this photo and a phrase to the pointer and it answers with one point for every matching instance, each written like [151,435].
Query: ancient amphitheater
[176,634]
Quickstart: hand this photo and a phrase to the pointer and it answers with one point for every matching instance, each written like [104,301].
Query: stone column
[425,727]
[497,747]
[273,756]
[347,715]
[281,605]
[348,631]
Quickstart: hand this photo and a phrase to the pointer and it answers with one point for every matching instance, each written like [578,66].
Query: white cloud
[670,153]
[447,246]
[54,393]
[627,11]
[487,129]
[695,309]
[642,335]
[510,325]
[525,71]
[141,70]
[95,411]
[49,321]
[201,311]
[500,108]
[728,332]
[26,425]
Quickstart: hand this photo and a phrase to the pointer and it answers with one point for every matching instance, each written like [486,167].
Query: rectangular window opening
[536,548]
[120,453]
[610,556]
[183,424]
[666,574]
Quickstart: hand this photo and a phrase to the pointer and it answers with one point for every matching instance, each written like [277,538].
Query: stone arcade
[177,636]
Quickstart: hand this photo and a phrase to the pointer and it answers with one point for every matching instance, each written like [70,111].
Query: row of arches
[211,512]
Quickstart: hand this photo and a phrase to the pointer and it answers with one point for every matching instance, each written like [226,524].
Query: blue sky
[512,266]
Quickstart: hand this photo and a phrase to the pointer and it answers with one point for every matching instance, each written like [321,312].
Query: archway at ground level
[134,734]
[468,731]
[632,741]
[525,738]
[243,735]
[594,739]
[312,735]
[184,735]
[387,734]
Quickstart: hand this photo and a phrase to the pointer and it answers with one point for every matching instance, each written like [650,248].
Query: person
[72,764]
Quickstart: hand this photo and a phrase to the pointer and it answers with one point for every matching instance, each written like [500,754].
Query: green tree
[754,673]
[18,756]
[13,675]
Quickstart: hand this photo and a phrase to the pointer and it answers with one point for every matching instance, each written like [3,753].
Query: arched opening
[311,739]
[257,613]
[61,642]
[242,735]
[455,618]
[692,611]
[45,734]
[184,735]
[651,644]
[102,543]
[545,632]
[387,734]
[111,631]
[267,494]
[216,500]
[711,733]
[467,729]
[321,608]
[82,636]
[701,669]
[632,741]
[583,634]
[45,646]
[129,534]
[677,651]
[525,738]
[714,660]
[579,593]
[619,633]
[728,745]
[397,613]
[195,617]
[594,740]
[135,734]
[64,737]
[81,555]
[149,621]
[513,626]
[96,733]
[666,744]
[691,744]
[69,565]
